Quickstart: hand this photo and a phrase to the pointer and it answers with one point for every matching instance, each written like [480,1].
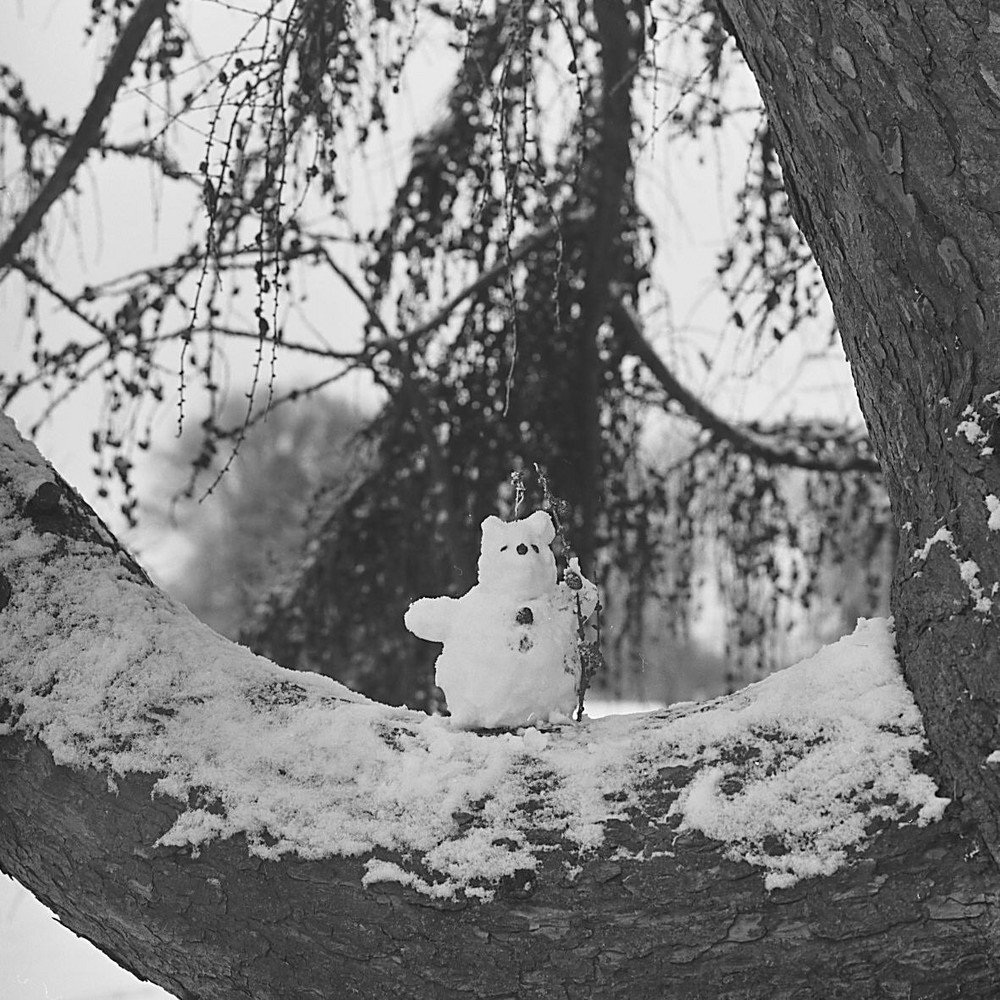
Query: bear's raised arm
[430,618]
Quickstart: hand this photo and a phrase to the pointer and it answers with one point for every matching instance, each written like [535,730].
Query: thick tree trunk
[606,176]
[653,911]
[886,117]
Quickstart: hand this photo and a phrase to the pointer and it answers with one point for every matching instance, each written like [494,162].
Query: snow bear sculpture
[510,654]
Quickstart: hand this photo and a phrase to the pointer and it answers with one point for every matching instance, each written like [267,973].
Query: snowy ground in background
[42,960]
[597,707]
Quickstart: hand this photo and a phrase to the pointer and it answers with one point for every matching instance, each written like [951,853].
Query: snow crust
[789,773]
[942,536]
[803,763]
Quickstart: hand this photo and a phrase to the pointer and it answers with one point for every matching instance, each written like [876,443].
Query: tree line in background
[507,299]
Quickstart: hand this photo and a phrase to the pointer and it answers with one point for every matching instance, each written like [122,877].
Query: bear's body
[510,654]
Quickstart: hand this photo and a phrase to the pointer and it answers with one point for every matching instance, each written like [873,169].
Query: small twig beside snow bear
[510,655]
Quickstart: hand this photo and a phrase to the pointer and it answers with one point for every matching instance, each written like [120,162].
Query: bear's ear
[541,527]
[493,529]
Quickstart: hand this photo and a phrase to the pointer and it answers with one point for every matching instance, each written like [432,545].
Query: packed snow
[510,655]
[940,537]
[790,773]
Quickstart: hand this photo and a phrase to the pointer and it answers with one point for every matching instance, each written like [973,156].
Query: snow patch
[810,761]
[971,426]
[993,506]
[969,570]
[943,536]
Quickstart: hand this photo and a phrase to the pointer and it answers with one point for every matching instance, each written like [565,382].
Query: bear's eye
[503,548]
[535,547]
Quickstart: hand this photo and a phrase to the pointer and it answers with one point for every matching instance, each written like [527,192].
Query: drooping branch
[88,132]
[627,326]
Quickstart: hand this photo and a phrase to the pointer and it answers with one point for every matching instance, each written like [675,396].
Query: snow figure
[510,653]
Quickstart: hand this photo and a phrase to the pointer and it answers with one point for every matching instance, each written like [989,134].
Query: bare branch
[33,276]
[236,333]
[89,131]
[628,327]
[142,150]
[485,280]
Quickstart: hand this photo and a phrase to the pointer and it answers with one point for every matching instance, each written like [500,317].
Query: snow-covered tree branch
[230,828]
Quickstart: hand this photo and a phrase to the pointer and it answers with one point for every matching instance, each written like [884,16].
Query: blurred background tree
[223,557]
[501,293]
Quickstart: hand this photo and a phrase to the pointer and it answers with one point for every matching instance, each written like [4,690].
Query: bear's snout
[522,549]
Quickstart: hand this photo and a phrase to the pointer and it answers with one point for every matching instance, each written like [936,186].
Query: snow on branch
[793,774]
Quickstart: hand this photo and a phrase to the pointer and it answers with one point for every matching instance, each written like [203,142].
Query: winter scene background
[296,359]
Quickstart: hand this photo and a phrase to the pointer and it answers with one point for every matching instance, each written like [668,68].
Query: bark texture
[887,123]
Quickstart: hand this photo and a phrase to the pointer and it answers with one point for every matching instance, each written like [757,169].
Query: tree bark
[885,117]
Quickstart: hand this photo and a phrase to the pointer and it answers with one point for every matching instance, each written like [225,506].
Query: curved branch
[89,130]
[628,328]
[110,695]
[141,150]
